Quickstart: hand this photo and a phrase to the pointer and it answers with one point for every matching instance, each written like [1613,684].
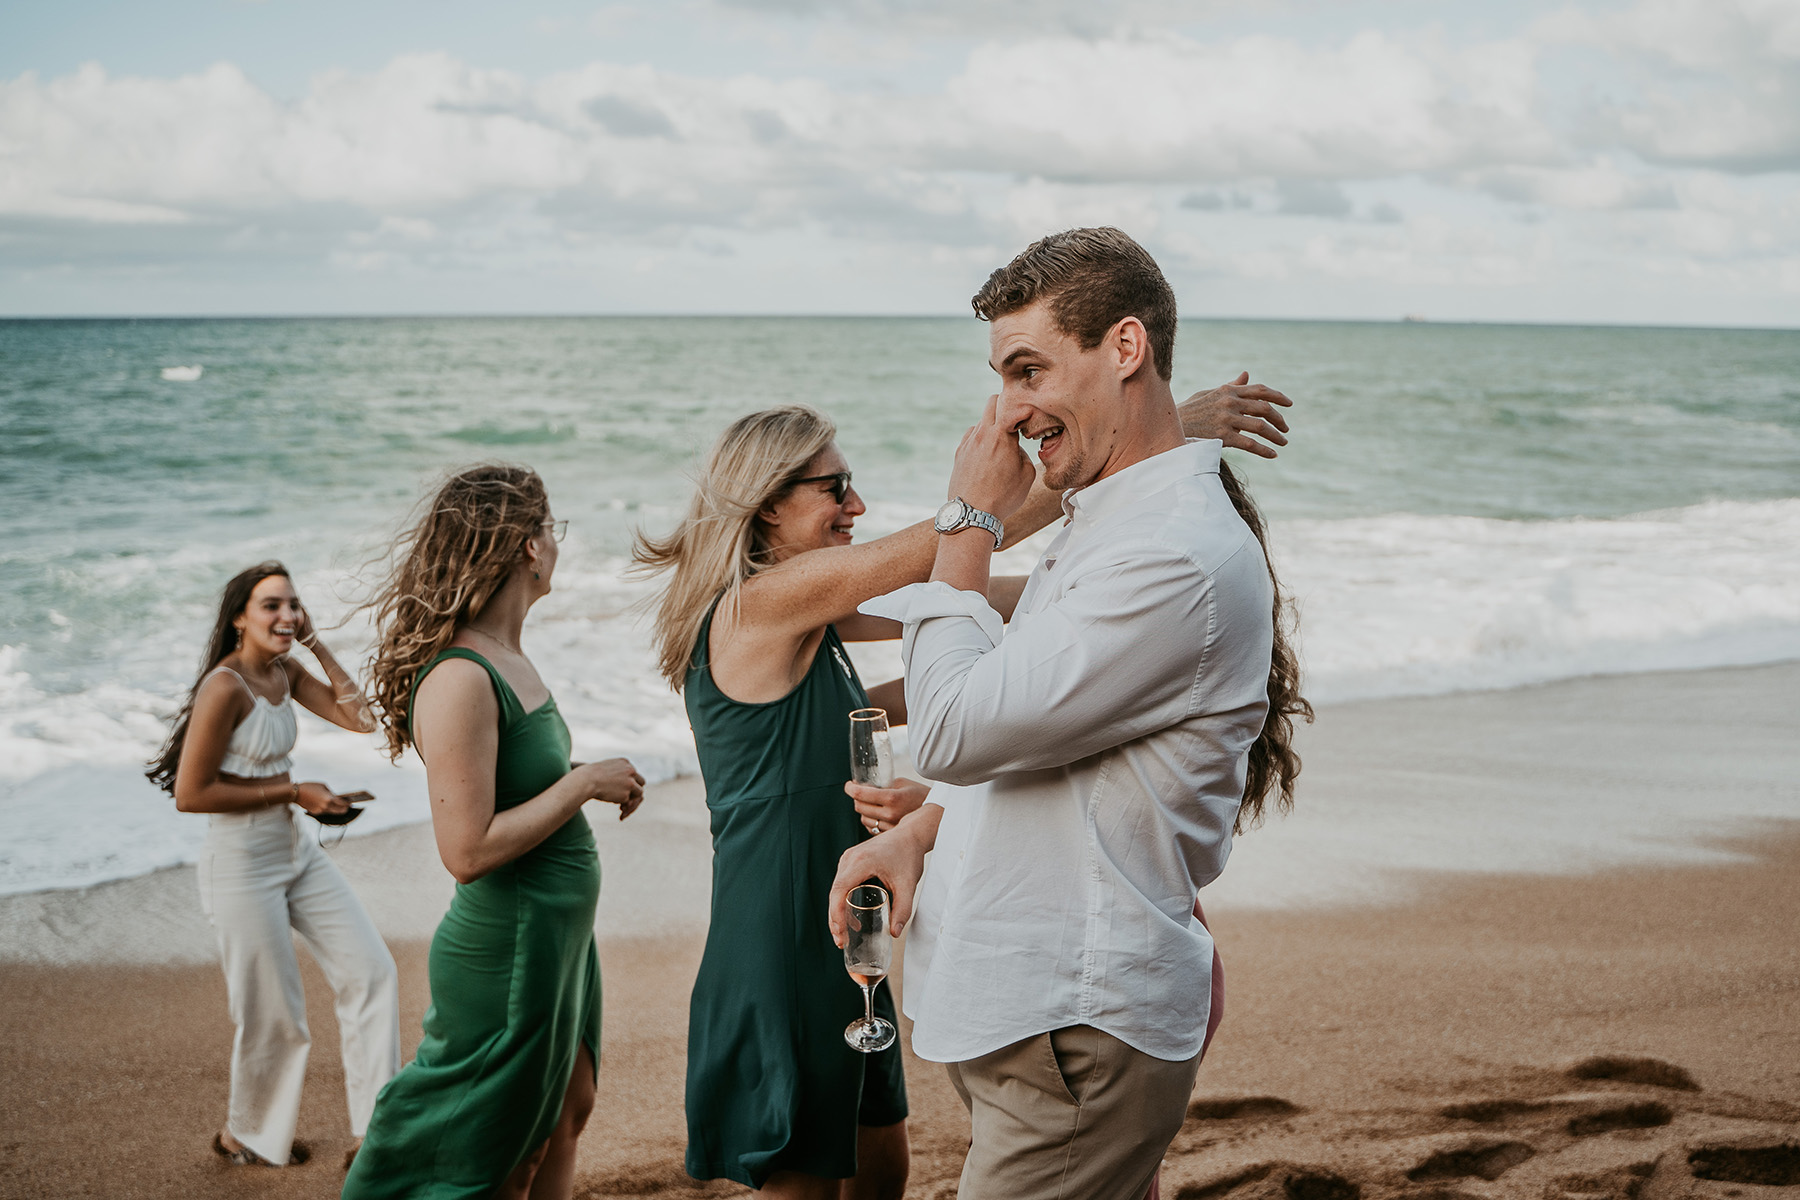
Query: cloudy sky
[1629,162]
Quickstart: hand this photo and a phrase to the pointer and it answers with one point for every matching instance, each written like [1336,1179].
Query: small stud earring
[535,575]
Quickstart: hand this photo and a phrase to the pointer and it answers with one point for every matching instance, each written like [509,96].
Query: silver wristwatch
[960,514]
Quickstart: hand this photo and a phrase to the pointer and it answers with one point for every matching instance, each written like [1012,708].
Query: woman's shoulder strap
[510,709]
[222,669]
[228,671]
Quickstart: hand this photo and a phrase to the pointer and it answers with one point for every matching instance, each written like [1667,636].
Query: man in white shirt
[1093,756]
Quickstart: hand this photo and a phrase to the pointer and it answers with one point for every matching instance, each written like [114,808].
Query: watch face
[949,516]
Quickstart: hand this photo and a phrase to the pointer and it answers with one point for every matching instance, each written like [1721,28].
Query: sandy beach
[1527,943]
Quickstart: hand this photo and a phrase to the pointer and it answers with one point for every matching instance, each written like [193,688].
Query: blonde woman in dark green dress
[765,580]
[504,1079]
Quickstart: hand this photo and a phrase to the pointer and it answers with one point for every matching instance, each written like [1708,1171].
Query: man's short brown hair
[1093,279]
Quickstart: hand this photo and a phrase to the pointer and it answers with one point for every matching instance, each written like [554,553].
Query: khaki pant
[1075,1114]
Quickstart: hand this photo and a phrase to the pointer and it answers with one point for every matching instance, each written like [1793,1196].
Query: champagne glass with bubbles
[868,948]
[871,748]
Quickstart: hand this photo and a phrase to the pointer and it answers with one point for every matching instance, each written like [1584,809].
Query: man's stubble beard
[1070,473]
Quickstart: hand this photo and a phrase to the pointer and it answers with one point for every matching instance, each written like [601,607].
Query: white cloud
[962,17]
[1175,109]
[1717,82]
[426,131]
[1415,157]
[1602,184]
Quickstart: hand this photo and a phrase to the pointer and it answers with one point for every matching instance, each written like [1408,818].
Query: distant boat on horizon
[1413,319]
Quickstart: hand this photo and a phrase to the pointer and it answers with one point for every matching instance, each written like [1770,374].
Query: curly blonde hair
[446,566]
[720,543]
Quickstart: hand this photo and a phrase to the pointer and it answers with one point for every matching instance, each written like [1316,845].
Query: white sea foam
[1409,605]
[1390,606]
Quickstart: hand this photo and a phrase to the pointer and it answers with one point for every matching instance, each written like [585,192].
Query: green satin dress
[771,1086]
[515,993]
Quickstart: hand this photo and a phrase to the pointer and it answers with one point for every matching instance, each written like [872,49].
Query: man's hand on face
[992,472]
[1234,412]
[896,858]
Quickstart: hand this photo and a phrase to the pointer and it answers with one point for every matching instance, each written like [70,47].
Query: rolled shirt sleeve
[1113,659]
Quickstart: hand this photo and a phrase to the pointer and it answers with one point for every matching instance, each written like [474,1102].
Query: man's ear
[1130,343]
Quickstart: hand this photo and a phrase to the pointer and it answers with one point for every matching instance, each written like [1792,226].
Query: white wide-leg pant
[262,875]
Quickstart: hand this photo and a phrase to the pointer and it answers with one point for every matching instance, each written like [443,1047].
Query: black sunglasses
[839,481]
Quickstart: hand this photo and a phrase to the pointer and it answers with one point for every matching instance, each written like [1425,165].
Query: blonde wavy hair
[720,543]
[445,567]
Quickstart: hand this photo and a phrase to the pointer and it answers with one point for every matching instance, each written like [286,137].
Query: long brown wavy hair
[446,566]
[1092,279]
[1273,763]
[720,543]
[232,603]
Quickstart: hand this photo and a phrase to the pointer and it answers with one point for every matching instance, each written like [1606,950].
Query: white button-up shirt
[1090,761]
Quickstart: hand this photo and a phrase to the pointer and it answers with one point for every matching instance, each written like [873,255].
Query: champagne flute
[867,951]
[871,752]
[871,748]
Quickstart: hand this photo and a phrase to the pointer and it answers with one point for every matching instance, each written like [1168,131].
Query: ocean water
[1462,507]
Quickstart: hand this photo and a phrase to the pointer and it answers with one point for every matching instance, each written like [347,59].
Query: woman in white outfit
[263,874]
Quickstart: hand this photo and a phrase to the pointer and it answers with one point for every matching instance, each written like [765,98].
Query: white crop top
[263,742]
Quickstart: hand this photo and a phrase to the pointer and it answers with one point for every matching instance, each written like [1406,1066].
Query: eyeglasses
[557,529]
[839,481]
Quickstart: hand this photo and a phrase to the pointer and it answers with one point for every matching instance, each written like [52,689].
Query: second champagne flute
[868,948]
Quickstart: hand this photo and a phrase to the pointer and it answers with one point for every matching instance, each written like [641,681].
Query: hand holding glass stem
[868,949]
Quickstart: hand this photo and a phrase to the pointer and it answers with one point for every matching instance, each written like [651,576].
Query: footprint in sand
[1620,1183]
[1276,1181]
[1586,1120]
[1766,1166]
[1241,1108]
[1482,1160]
[1646,1115]
[1651,1072]
[1489,1112]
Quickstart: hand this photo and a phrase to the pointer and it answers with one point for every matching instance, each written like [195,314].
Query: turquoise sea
[1461,507]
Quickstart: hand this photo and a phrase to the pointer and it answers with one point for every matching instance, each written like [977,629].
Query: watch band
[965,516]
[987,521]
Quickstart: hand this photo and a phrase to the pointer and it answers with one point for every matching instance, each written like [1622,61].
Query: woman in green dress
[763,592]
[504,1078]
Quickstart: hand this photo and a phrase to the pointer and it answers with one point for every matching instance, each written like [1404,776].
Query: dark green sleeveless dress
[515,992]
[771,1086]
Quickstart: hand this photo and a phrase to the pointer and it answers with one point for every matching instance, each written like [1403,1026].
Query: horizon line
[1404,319]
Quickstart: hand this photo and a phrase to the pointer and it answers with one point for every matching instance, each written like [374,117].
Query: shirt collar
[1099,500]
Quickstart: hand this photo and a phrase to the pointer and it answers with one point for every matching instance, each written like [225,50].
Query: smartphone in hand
[349,814]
